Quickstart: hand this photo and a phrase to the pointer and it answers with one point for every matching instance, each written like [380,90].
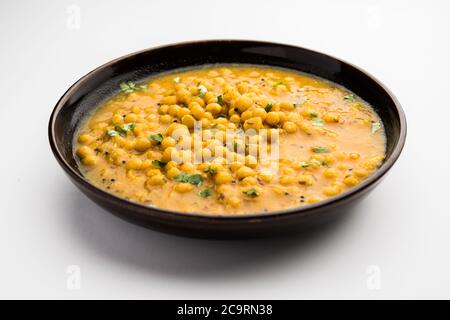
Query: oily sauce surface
[141,144]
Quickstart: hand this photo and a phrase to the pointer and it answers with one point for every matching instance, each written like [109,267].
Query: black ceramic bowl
[103,82]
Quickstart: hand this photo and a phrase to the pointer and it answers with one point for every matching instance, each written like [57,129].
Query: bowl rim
[303,210]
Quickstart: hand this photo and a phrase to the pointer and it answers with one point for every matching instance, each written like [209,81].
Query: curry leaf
[305,164]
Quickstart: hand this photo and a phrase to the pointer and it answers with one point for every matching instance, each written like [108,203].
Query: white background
[402,229]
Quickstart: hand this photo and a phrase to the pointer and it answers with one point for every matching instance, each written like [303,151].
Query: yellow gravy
[230,139]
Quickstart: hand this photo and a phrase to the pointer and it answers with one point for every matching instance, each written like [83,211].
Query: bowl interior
[103,82]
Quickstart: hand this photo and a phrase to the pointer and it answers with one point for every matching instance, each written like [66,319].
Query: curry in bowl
[230,139]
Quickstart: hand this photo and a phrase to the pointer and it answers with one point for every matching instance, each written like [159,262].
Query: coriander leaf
[251,192]
[350,98]
[202,91]
[182,177]
[375,126]
[158,137]
[301,100]
[211,170]
[220,100]
[305,164]
[112,133]
[123,130]
[278,83]
[317,122]
[129,126]
[194,179]
[159,164]
[129,86]
[206,193]
[320,149]
[268,107]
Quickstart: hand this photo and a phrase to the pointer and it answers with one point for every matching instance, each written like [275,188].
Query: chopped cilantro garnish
[251,192]
[375,126]
[159,163]
[202,91]
[129,87]
[307,164]
[320,149]
[220,100]
[112,133]
[194,179]
[123,130]
[350,98]
[158,137]
[278,83]
[211,170]
[317,122]
[206,193]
